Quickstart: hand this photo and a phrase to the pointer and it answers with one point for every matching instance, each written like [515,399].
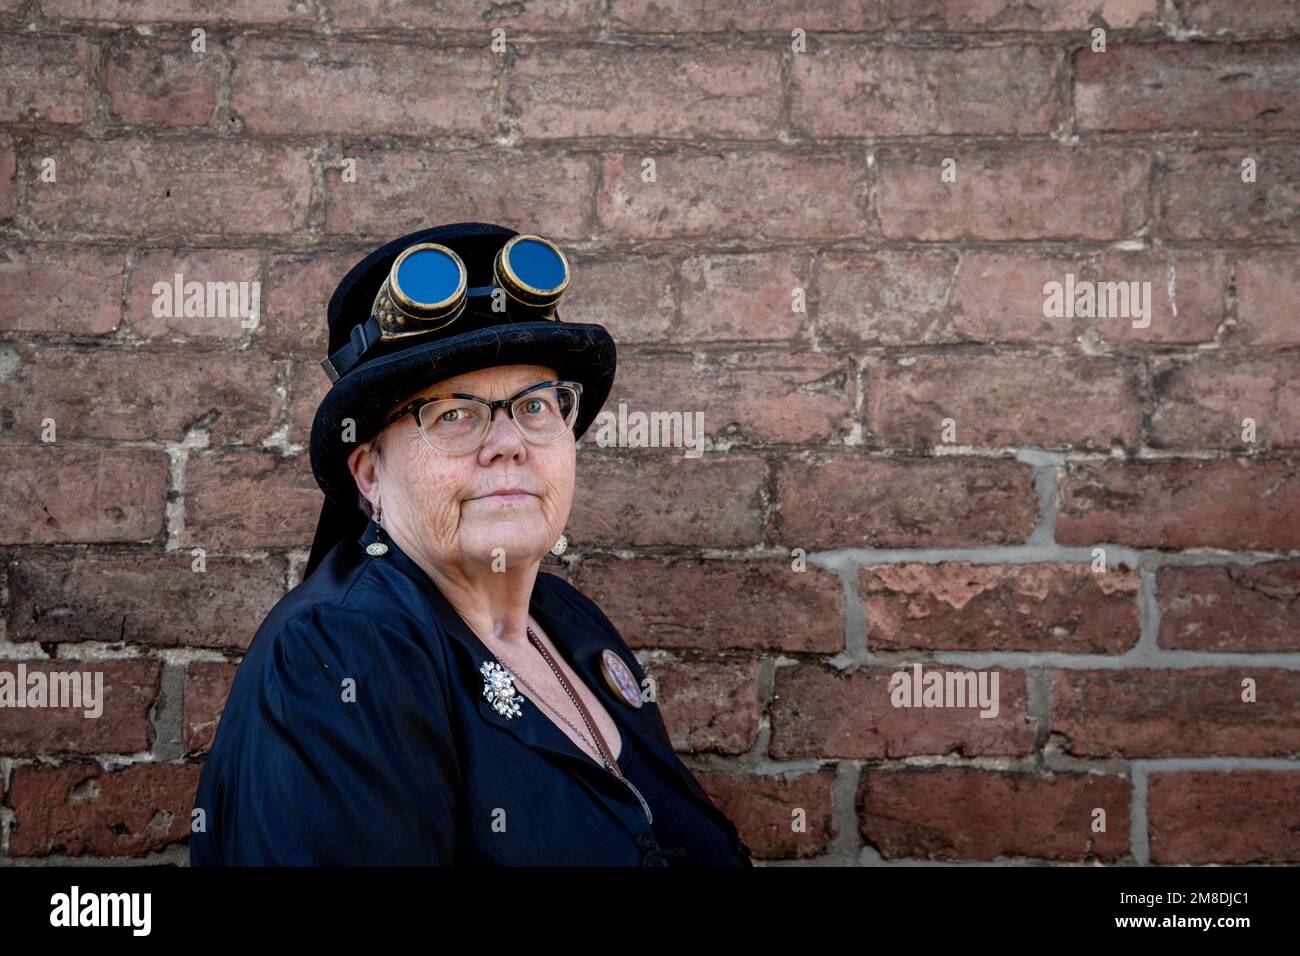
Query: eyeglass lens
[460,424]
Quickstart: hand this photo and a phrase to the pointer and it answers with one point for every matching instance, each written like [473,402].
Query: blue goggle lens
[537,264]
[428,277]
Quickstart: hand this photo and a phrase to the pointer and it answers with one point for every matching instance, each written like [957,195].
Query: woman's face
[444,504]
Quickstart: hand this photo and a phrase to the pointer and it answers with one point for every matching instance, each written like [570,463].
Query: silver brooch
[499,689]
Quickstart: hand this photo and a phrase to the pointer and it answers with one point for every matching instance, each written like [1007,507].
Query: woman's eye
[533,406]
[450,411]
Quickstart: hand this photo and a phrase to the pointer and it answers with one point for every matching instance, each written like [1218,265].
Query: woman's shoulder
[361,628]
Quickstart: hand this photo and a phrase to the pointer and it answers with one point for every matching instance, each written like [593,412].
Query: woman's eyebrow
[449,392]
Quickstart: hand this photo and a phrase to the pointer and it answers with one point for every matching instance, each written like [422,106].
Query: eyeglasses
[458,423]
[427,289]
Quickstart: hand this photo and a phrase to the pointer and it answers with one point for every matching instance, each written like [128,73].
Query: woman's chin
[505,548]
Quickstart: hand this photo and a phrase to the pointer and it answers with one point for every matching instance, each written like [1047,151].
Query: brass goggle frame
[396,314]
[401,316]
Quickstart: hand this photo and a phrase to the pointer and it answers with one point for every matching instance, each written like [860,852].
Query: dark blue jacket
[418,768]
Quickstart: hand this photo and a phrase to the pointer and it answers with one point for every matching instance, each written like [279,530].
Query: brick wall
[1076,504]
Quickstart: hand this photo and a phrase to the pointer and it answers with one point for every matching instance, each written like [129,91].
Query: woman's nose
[503,429]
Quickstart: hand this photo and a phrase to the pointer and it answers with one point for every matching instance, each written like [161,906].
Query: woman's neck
[494,603]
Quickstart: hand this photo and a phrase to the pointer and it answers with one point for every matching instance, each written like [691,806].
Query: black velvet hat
[388,371]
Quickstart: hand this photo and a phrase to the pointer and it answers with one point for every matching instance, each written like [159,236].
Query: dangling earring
[560,546]
[377,548]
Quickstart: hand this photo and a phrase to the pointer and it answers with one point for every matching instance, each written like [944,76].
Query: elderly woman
[428,695]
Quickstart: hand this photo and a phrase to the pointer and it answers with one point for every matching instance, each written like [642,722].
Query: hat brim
[578,352]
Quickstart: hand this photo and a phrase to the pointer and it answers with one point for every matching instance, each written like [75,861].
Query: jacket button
[645,841]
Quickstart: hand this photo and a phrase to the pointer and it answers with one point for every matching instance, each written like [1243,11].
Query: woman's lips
[505,497]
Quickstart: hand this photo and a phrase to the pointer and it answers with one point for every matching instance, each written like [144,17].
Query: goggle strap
[367,333]
[363,335]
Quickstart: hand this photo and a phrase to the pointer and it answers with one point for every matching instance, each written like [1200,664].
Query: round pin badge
[619,678]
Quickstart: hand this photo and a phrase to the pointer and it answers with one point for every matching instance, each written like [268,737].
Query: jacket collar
[579,641]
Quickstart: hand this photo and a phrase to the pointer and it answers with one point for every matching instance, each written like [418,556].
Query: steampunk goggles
[426,290]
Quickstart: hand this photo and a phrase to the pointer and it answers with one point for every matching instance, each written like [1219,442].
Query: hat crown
[477,244]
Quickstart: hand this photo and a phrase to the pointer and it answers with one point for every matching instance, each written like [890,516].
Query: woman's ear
[362,463]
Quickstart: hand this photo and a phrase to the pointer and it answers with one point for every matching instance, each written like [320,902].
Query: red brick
[1218,86]
[769,605]
[745,16]
[152,266]
[281,86]
[851,501]
[751,195]
[885,298]
[789,397]
[1004,400]
[59,493]
[466,15]
[1268,286]
[747,297]
[397,191]
[1218,18]
[634,297]
[820,712]
[207,686]
[140,394]
[75,290]
[1000,607]
[1205,197]
[1201,402]
[187,12]
[1187,503]
[173,189]
[1072,15]
[949,813]
[928,298]
[763,807]
[150,599]
[708,706]
[161,84]
[228,498]
[630,92]
[43,79]
[905,91]
[79,810]
[130,689]
[1236,818]
[657,497]
[1230,609]
[1029,192]
[1175,713]
[1199,283]
[295,301]
[8,182]
[998,296]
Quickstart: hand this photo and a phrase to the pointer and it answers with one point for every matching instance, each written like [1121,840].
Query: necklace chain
[606,757]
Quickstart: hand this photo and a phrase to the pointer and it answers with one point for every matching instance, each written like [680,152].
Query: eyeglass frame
[414,406]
